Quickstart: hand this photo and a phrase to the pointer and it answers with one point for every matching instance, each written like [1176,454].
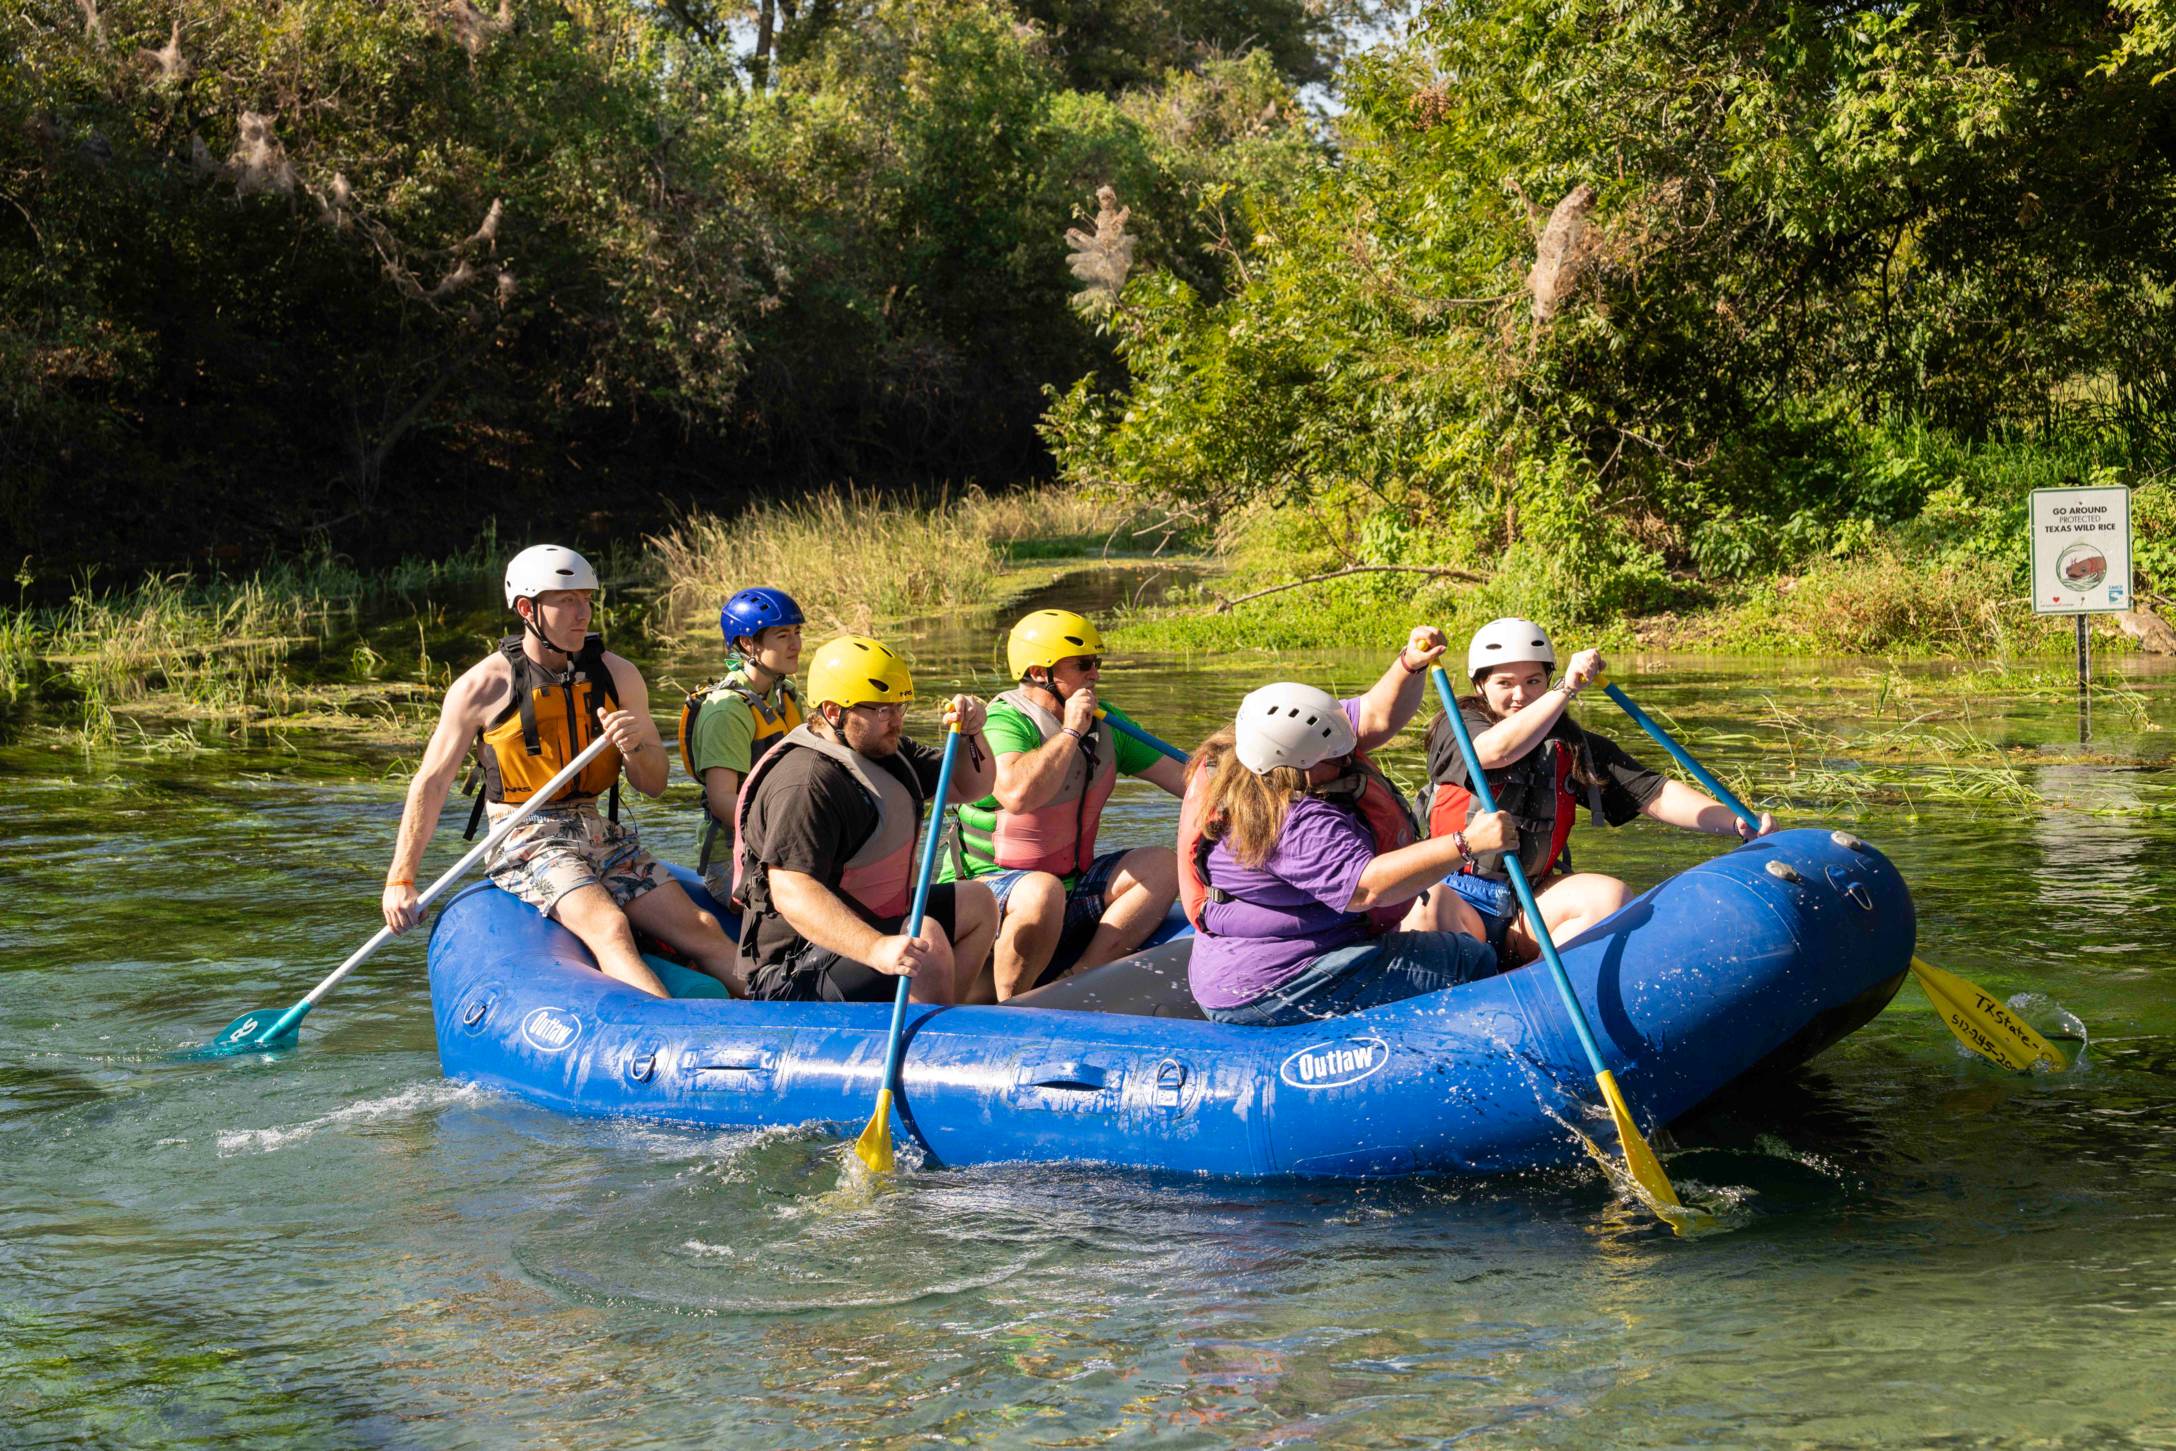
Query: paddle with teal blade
[1981,1021]
[874,1147]
[1128,728]
[270,1030]
[1640,1160]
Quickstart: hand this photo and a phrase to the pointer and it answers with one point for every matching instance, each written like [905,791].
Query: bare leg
[974,916]
[1028,933]
[1141,892]
[667,912]
[1443,910]
[591,914]
[1570,905]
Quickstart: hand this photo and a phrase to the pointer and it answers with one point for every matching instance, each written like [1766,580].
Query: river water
[339,1248]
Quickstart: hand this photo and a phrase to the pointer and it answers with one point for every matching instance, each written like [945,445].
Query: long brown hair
[1244,811]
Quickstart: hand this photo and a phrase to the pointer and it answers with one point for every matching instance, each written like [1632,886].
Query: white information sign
[2081,551]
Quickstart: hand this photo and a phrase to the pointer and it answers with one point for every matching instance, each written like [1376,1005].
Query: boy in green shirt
[726,727]
[1032,841]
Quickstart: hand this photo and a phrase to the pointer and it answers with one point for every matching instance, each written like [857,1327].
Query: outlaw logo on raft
[551,1029]
[1336,1063]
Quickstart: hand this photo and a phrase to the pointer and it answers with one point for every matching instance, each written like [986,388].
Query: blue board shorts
[1083,901]
[1497,903]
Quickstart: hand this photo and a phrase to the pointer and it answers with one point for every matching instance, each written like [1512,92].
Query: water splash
[410,1103]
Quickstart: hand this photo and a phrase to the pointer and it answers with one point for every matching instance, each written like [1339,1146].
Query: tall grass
[853,559]
[220,646]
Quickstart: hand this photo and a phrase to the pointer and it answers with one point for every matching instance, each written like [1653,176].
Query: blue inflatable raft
[1753,961]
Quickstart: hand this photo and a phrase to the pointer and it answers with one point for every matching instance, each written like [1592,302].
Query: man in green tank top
[1032,841]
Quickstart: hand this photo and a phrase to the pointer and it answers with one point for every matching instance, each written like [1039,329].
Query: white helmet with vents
[1291,725]
[1508,642]
[546,566]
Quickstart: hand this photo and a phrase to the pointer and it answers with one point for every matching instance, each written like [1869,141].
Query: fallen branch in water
[1224,605]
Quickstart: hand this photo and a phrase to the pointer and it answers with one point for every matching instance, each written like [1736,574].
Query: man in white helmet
[527,710]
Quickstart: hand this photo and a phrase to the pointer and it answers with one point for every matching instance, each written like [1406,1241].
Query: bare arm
[642,754]
[1512,737]
[467,706]
[1392,700]
[974,773]
[1169,774]
[1028,779]
[1403,874]
[1679,805]
[816,913]
[721,785]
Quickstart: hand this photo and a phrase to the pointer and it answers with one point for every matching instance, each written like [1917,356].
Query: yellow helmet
[1048,636]
[856,670]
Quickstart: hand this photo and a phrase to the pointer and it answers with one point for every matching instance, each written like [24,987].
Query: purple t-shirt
[1293,905]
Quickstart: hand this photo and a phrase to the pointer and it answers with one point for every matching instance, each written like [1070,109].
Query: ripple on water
[410,1103]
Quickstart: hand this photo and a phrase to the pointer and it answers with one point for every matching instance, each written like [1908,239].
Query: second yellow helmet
[1048,636]
[856,670]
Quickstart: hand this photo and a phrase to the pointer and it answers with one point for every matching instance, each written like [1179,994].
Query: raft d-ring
[474,1012]
[643,1069]
[1847,841]
[1858,896]
[1783,871]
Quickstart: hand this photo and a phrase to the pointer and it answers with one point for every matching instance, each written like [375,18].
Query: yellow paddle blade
[1646,1168]
[875,1144]
[1984,1023]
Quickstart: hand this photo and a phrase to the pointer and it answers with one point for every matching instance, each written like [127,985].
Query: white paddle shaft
[454,873]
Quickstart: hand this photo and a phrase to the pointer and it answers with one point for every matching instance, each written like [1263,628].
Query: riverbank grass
[855,560]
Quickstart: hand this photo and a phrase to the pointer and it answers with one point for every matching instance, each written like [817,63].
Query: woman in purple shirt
[1289,875]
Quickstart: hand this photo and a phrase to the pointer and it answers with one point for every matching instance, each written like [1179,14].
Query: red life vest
[1451,806]
[880,873]
[1378,804]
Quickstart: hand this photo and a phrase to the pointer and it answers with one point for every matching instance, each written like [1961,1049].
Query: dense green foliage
[374,271]
[1617,299]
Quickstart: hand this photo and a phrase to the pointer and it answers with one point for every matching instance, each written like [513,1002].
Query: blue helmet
[753,611]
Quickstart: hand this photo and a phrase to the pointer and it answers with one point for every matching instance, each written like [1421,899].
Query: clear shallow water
[342,1249]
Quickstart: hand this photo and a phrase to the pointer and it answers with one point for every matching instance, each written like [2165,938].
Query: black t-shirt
[810,815]
[1526,787]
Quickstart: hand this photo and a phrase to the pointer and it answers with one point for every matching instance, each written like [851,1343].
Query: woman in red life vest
[1542,767]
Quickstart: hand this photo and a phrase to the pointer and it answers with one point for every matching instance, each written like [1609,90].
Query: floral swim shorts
[560,851]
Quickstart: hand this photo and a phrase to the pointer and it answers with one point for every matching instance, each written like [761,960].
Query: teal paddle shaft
[1699,773]
[1128,728]
[1477,783]
[913,921]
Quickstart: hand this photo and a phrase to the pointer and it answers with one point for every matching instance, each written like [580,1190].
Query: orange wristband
[402,882]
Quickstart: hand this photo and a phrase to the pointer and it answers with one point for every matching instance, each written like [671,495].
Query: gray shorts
[559,851]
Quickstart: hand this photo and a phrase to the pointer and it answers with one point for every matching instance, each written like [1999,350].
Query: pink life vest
[880,873]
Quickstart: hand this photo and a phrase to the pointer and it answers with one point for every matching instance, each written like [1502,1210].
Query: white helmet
[546,566]
[1290,725]
[1508,642]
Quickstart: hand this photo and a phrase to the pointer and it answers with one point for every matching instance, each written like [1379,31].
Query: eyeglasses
[1085,664]
[883,707]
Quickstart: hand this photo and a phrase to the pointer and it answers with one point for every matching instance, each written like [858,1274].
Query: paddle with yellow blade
[1981,1021]
[1646,1169]
[874,1147]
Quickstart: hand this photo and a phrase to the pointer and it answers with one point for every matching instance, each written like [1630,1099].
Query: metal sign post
[2081,565]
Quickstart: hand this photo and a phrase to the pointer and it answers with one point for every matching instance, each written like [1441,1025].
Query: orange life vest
[551,718]
[880,873]
[771,727]
[1364,790]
